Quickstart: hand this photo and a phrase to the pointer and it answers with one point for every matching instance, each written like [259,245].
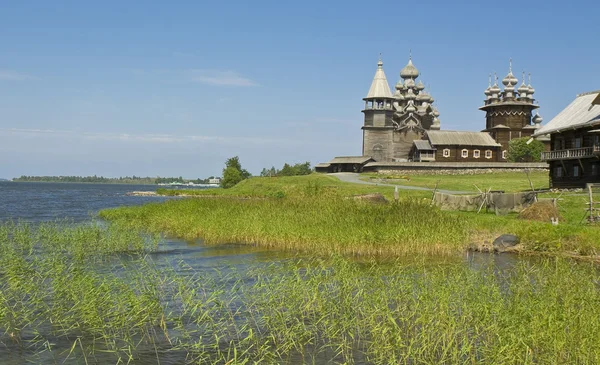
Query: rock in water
[505,241]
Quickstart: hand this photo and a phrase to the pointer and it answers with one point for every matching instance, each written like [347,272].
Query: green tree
[521,151]
[233,173]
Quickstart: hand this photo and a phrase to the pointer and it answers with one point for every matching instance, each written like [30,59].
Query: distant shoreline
[80,182]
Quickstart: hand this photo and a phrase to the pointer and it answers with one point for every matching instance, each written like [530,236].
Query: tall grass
[317,225]
[117,305]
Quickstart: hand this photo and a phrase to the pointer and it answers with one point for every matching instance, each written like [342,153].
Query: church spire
[379,87]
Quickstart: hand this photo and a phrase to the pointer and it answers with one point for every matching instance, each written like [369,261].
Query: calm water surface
[40,202]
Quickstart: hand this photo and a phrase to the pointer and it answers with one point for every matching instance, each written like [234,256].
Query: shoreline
[313,217]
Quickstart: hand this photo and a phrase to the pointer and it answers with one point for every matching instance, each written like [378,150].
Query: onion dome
[488,91]
[409,71]
[510,80]
[420,86]
[495,89]
[523,90]
[411,107]
[423,96]
[410,95]
[435,113]
[537,119]
[399,85]
[410,83]
[398,95]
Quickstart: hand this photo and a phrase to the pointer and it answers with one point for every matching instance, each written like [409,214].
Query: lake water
[40,202]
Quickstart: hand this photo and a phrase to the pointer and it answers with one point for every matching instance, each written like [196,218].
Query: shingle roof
[351,159]
[582,111]
[423,144]
[379,87]
[460,138]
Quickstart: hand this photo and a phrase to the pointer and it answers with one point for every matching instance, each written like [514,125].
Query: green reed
[315,225]
[115,304]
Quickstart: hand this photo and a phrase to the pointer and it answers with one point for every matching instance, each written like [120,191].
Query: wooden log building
[574,155]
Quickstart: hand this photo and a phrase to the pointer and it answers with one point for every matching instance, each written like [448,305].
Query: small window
[578,142]
[476,154]
[464,153]
[446,153]
[558,171]
[504,154]
[576,171]
[594,169]
[488,154]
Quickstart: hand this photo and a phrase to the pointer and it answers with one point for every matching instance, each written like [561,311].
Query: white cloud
[220,78]
[14,76]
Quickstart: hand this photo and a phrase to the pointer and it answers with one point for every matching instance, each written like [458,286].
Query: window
[476,154]
[576,171]
[464,153]
[446,153]
[578,142]
[488,154]
[558,171]
[595,169]
[504,154]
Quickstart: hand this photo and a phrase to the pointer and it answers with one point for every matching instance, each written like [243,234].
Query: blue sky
[174,88]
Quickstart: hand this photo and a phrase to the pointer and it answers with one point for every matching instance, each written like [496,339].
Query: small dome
[399,85]
[410,95]
[435,113]
[423,96]
[488,91]
[510,80]
[411,107]
[495,90]
[409,71]
[420,86]
[537,119]
[410,83]
[523,89]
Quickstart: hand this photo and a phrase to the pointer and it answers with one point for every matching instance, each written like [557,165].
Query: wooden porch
[572,153]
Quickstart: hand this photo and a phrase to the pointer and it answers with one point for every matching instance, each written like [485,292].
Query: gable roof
[583,111]
[460,138]
[423,144]
[351,159]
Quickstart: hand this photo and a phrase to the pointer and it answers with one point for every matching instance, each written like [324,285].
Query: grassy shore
[95,294]
[494,180]
[313,214]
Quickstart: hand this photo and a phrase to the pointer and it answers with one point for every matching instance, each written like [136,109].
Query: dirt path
[355,178]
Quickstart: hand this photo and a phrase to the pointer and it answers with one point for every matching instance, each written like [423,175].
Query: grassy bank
[494,180]
[311,224]
[93,294]
[290,186]
[313,213]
